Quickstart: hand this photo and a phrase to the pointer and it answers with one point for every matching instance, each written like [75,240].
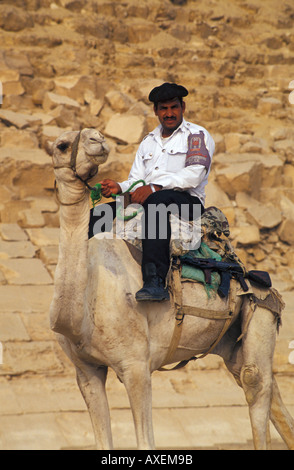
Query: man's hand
[109,187]
[140,195]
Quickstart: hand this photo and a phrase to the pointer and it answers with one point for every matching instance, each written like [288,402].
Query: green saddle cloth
[195,274]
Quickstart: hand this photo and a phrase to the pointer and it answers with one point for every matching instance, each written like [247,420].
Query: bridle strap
[73,160]
[72,166]
[74,152]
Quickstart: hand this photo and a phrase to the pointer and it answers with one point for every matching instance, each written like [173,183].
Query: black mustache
[169,118]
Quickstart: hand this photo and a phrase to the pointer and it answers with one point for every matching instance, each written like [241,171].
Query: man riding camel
[174,160]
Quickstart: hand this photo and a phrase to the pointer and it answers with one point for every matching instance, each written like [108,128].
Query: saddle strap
[175,340]
[179,317]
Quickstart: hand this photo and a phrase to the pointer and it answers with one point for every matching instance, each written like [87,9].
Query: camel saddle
[224,277]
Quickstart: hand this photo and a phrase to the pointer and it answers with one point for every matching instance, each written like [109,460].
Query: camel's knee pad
[251,382]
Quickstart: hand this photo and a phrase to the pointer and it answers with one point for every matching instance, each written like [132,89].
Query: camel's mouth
[95,145]
[97,148]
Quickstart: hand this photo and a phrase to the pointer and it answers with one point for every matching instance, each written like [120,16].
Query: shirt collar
[157,131]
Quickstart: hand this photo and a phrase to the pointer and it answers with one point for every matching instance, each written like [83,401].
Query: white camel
[99,324]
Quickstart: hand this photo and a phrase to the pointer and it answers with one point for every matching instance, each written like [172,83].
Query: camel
[99,324]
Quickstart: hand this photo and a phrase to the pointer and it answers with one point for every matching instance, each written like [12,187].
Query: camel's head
[82,152]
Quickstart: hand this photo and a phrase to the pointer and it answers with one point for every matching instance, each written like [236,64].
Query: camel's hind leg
[91,381]
[256,373]
[282,420]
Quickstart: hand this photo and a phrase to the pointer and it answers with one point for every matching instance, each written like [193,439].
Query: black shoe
[154,286]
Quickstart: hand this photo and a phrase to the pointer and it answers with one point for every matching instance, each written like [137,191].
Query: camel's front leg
[91,381]
[256,373]
[137,380]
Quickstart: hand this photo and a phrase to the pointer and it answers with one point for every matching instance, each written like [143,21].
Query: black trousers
[156,226]
[156,244]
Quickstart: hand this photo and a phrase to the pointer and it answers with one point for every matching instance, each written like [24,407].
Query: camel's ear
[49,147]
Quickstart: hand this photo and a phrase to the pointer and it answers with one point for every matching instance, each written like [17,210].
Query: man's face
[170,115]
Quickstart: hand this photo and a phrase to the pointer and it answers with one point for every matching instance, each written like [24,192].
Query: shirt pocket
[148,162]
[175,160]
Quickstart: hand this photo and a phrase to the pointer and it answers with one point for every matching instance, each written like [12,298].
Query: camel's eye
[63,146]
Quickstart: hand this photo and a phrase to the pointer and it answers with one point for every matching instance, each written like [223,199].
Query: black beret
[167,91]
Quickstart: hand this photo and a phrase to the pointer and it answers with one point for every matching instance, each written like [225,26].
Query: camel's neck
[71,275]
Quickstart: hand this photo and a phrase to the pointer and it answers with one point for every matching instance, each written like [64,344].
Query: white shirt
[162,161]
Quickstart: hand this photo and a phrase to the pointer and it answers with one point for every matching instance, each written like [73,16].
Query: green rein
[96,196]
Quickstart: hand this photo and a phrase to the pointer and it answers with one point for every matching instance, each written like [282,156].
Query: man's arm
[184,179]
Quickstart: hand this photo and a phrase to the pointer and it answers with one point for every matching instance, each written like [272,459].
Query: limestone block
[243,200]
[5,194]
[28,170]
[2,279]
[36,156]
[272,170]
[287,207]
[267,105]
[45,118]
[118,101]
[21,357]
[18,60]
[25,271]
[246,235]
[14,19]
[286,232]
[76,87]
[244,176]
[40,394]
[252,169]
[31,218]
[34,298]
[9,213]
[65,117]
[19,138]
[254,147]
[17,249]
[13,88]
[131,60]
[285,149]
[49,254]
[38,326]
[264,215]
[234,141]
[43,204]
[8,75]
[259,254]
[12,328]
[125,129]
[140,31]
[215,196]
[19,120]
[11,84]
[44,236]
[52,100]
[12,232]
[281,133]
[288,172]
[95,106]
